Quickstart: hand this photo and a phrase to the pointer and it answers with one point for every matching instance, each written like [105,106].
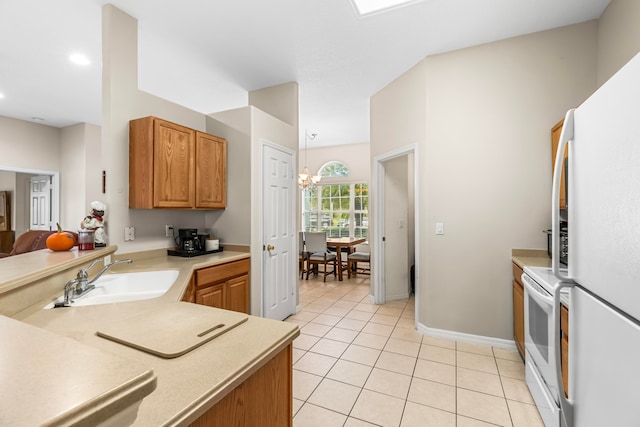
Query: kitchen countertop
[530,257]
[187,385]
[64,382]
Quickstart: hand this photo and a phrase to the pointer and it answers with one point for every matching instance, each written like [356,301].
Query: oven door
[538,331]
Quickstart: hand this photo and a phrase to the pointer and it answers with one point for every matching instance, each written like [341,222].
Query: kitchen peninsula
[243,373]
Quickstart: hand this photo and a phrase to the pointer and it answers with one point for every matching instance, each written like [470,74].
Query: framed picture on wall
[5,210]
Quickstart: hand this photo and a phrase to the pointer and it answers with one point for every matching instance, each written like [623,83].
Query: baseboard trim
[404,296]
[470,338]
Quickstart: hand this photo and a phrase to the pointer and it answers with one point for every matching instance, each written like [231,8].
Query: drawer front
[517,273]
[222,272]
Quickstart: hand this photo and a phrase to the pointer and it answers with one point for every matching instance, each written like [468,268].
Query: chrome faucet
[81,284]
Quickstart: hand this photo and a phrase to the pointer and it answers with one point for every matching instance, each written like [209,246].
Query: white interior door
[279,255]
[40,203]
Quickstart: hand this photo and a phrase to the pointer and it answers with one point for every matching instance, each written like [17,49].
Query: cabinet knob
[270,247]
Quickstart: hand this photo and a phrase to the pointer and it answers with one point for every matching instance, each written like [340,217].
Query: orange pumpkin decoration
[61,241]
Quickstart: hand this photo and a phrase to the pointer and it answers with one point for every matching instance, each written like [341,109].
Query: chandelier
[306,181]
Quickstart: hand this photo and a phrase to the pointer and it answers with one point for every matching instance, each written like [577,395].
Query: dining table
[343,242]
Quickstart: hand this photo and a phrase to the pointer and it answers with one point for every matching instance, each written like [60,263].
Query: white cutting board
[171,330]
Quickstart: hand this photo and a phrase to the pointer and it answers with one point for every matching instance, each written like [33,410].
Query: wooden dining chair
[316,245]
[361,254]
[303,254]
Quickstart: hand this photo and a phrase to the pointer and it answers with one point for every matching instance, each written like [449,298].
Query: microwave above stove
[564,243]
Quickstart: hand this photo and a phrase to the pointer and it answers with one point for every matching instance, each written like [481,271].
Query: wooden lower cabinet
[212,296]
[223,286]
[518,309]
[262,400]
[238,294]
[564,343]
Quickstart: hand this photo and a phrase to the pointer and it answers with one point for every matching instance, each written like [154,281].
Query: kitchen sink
[121,287]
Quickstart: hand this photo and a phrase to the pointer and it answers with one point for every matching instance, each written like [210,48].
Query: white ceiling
[207,54]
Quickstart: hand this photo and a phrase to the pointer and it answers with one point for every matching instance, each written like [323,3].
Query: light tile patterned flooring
[358,364]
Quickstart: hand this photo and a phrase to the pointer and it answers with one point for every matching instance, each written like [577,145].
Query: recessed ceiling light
[366,7]
[1,95]
[79,59]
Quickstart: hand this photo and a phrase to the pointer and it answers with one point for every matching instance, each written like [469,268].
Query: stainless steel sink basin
[120,287]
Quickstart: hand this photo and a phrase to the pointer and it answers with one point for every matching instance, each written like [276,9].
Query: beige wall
[354,156]
[81,172]
[230,225]
[618,37]
[280,101]
[73,151]
[31,146]
[482,118]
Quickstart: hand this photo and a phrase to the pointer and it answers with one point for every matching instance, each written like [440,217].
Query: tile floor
[357,364]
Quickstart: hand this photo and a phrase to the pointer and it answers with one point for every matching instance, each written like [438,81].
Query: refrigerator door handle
[566,405]
[566,135]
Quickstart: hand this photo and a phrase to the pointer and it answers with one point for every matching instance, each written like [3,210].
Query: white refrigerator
[604,254]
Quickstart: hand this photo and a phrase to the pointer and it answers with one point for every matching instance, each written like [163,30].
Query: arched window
[340,208]
[334,168]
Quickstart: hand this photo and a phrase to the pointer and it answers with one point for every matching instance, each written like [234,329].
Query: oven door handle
[566,405]
[537,292]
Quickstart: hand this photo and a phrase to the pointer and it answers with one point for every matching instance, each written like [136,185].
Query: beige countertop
[186,385]
[18,270]
[530,257]
[64,382]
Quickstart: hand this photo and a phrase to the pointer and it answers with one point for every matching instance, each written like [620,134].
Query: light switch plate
[439,228]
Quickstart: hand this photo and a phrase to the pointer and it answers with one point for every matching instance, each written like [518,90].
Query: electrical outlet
[168,230]
[129,234]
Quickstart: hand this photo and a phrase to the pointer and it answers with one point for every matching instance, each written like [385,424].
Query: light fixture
[306,181]
[368,7]
[79,59]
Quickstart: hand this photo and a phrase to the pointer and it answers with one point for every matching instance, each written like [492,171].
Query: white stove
[545,278]
[540,345]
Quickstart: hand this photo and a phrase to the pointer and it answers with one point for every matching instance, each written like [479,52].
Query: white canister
[212,244]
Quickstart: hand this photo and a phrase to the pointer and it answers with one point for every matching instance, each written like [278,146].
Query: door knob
[270,247]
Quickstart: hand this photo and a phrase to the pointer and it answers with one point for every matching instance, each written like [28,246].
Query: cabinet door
[555,141]
[518,316]
[238,294]
[173,172]
[211,171]
[212,296]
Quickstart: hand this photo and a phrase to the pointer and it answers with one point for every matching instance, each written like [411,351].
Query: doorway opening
[45,211]
[396,256]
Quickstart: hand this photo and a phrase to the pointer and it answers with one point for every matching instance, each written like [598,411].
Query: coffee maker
[188,241]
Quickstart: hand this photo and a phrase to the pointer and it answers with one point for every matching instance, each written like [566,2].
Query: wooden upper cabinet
[173,166]
[211,171]
[555,141]
[173,159]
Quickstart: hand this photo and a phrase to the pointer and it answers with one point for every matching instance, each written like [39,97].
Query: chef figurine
[95,222]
